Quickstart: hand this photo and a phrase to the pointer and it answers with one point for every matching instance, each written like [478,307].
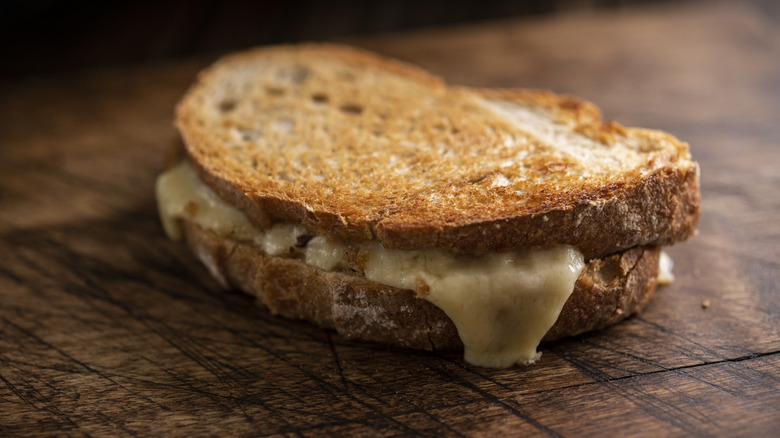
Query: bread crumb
[705,303]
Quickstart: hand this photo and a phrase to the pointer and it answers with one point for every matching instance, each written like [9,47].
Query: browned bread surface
[608,290]
[356,147]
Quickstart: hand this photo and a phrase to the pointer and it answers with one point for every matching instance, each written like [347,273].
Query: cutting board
[109,328]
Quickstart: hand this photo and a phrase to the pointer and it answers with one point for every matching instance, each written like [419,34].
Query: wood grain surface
[107,328]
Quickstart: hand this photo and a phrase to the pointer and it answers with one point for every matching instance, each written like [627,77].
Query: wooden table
[108,328]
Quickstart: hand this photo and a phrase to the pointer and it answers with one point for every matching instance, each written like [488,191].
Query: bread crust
[659,209]
[607,291]
[656,203]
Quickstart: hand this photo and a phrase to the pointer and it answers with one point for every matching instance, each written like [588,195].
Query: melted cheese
[277,240]
[181,194]
[665,266]
[502,304]
[323,253]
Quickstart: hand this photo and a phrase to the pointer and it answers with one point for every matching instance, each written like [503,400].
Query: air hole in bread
[283,125]
[227,105]
[351,108]
[274,91]
[319,98]
[246,135]
[284,176]
[608,272]
[295,74]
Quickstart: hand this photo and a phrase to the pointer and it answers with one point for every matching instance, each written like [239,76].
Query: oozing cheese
[502,304]
[665,266]
[180,193]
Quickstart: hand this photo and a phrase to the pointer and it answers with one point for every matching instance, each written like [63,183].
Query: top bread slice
[358,147]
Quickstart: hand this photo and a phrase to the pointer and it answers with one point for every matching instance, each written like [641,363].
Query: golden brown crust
[607,291]
[662,208]
[358,147]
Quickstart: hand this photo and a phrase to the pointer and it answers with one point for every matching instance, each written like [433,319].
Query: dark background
[45,37]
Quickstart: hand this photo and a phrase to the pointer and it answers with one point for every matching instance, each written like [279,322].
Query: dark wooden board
[108,328]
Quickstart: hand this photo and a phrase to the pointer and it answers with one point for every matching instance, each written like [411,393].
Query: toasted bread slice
[358,147]
[607,291]
[365,195]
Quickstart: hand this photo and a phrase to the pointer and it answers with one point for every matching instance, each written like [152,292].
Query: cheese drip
[502,304]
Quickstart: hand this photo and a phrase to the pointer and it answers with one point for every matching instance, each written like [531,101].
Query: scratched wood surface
[107,328]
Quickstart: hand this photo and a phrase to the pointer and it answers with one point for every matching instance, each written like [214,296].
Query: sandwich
[367,196]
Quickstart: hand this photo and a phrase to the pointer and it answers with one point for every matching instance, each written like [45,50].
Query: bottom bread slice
[607,291]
